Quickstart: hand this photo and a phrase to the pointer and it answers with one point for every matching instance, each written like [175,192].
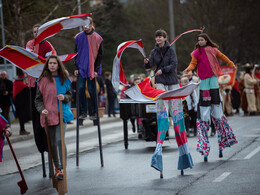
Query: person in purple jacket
[89,46]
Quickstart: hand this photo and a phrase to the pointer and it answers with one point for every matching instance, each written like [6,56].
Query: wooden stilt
[98,126]
[62,184]
[79,122]
[54,182]
[43,165]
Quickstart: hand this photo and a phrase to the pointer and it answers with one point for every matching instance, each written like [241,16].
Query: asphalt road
[129,171]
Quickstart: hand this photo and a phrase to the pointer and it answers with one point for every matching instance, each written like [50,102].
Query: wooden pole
[77,126]
[43,165]
[22,184]
[63,183]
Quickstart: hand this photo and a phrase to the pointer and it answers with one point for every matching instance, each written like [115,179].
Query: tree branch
[49,15]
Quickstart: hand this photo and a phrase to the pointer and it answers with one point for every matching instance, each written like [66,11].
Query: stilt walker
[43,49]
[176,112]
[52,98]
[204,57]
[164,58]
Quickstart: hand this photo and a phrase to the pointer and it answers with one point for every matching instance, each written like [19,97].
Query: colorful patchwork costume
[205,58]
[174,107]
[165,60]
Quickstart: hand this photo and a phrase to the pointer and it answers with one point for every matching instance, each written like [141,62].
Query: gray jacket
[168,65]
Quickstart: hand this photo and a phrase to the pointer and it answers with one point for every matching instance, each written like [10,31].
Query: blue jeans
[82,94]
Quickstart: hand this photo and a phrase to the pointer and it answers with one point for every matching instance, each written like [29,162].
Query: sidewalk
[16,137]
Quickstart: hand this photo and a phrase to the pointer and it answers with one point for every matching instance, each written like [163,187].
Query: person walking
[257,77]
[241,87]
[204,57]
[21,99]
[250,85]
[89,46]
[236,98]
[54,86]
[6,92]
[111,95]
[163,57]
[43,49]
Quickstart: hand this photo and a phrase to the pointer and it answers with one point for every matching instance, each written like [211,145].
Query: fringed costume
[205,58]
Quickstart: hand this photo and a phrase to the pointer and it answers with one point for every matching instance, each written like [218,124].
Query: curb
[19,138]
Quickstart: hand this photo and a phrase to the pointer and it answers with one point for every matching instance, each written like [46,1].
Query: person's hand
[60,97]
[95,74]
[45,112]
[7,132]
[76,72]
[146,60]
[159,72]
[185,71]
[6,93]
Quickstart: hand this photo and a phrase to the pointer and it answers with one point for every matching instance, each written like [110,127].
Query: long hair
[62,72]
[209,41]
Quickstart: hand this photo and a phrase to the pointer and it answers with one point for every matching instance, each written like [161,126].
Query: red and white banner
[186,32]
[118,75]
[52,27]
[28,61]
[67,57]
[228,77]
[143,92]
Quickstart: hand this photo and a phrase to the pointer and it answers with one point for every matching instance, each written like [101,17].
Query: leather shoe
[24,132]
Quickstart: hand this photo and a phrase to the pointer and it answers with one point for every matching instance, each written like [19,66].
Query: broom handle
[16,161]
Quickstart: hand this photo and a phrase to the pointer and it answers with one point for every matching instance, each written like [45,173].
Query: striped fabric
[28,61]
[186,32]
[118,75]
[143,92]
[52,27]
